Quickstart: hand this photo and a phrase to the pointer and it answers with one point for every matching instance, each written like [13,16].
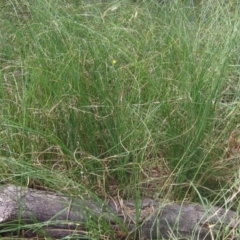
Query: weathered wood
[62,216]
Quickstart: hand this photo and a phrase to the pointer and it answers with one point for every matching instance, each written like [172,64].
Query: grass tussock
[136,98]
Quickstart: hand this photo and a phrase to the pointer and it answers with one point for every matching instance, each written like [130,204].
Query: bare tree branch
[62,216]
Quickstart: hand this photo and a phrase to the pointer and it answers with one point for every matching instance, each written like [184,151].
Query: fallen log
[58,216]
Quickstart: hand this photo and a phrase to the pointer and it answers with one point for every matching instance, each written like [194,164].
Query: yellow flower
[114,61]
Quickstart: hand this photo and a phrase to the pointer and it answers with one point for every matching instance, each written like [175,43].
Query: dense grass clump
[136,98]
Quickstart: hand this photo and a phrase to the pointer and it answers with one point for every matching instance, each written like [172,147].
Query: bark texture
[62,216]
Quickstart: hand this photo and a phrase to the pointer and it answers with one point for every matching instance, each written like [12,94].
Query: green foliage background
[95,93]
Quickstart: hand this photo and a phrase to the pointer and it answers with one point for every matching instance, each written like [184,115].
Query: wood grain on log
[62,216]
